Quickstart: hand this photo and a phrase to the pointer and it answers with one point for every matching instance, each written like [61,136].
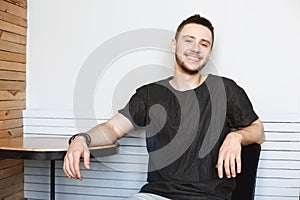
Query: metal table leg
[52,180]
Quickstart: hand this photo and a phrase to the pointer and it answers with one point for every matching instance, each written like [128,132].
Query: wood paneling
[12,105]
[12,37]
[13,8]
[12,47]
[13,32]
[14,57]
[10,133]
[13,66]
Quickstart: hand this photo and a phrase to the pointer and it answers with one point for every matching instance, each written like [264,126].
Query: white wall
[256,44]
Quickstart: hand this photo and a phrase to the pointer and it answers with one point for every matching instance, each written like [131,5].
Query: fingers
[75,167]
[230,165]
[71,164]
[86,159]
[220,167]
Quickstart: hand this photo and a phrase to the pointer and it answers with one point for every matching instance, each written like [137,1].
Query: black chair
[245,181]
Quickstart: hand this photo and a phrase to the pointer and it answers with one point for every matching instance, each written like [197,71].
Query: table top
[45,148]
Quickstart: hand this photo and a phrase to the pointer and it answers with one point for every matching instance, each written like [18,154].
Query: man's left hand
[229,157]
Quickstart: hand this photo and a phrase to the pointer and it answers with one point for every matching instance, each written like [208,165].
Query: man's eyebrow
[189,36]
[193,37]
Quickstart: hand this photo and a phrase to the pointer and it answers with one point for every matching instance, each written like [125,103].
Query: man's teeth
[192,58]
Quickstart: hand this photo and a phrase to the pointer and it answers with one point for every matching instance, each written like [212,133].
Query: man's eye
[204,45]
[188,41]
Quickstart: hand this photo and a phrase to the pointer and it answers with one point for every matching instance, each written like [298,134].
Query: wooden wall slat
[12,37]
[13,9]
[12,47]
[9,163]
[10,114]
[11,133]
[11,123]
[11,180]
[13,28]
[9,75]
[16,196]
[14,57]
[12,66]
[12,95]
[7,172]
[12,85]
[8,17]
[11,190]
[12,105]
[21,3]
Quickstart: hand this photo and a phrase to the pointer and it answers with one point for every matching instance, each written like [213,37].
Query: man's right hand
[77,149]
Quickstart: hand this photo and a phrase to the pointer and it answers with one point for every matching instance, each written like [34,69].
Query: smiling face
[192,48]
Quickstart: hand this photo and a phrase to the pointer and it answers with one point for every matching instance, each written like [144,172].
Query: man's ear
[173,45]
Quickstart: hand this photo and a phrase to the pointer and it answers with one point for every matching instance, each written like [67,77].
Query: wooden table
[45,148]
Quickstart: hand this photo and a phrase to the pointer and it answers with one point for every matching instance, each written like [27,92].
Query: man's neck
[183,81]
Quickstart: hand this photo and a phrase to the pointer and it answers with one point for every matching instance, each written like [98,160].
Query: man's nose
[196,47]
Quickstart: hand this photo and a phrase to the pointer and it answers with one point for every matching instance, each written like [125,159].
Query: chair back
[245,181]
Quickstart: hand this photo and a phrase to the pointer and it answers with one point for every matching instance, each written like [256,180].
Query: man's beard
[183,66]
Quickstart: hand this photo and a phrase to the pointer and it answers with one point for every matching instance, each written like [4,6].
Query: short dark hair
[196,19]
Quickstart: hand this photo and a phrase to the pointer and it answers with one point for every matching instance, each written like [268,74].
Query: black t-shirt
[184,131]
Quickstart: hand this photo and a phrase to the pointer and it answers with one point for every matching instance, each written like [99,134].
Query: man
[195,125]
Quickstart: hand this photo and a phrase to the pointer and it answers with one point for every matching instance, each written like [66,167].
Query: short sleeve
[240,111]
[135,110]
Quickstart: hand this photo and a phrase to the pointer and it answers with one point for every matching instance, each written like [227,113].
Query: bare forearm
[109,132]
[102,135]
[252,134]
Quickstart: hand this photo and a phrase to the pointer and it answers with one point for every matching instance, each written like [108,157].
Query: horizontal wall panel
[282,127]
[10,18]
[12,95]
[277,177]
[11,123]
[13,66]
[280,155]
[277,182]
[6,192]
[12,85]
[285,192]
[270,197]
[13,57]
[12,47]
[20,3]
[44,195]
[123,184]
[10,75]
[294,146]
[12,37]
[11,133]
[13,9]
[12,105]
[281,136]
[10,114]
[275,164]
[278,173]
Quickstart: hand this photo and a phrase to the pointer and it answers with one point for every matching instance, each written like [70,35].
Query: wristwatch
[85,135]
